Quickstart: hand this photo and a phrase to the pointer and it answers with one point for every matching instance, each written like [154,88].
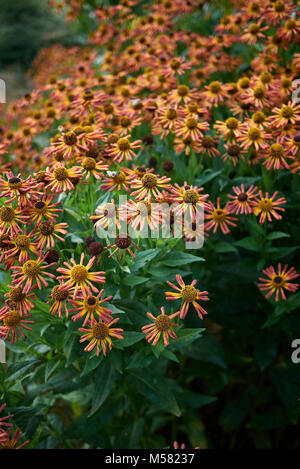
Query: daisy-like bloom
[67,145]
[92,167]
[278,281]
[13,323]
[277,11]
[290,30]
[47,231]
[78,275]
[162,326]
[19,300]
[4,247]
[22,245]
[11,442]
[123,148]
[191,127]
[219,217]
[176,65]
[122,243]
[90,306]
[288,113]
[149,186]
[126,123]
[9,219]
[60,178]
[243,200]
[59,296]
[99,334]
[294,144]
[233,154]
[31,272]
[139,171]
[186,144]
[216,92]
[276,156]
[18,189]
[251,135]
[294,167]
[183,94]
[208,145]
[106,215]
[165,120]
[189,199]
[254,33]
[44,209]
[194,231]
[3,420]
[117,180]
[140,214]
[189,295]
[266,206]
[229,128]
[259,119]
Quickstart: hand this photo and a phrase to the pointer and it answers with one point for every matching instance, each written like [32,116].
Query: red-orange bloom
[162,326]
[189,295]
[99,334]
[277,282]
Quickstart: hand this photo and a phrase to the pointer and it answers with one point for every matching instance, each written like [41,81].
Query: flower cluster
[106,123]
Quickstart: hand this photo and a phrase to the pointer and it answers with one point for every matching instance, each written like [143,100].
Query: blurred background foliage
[26,26]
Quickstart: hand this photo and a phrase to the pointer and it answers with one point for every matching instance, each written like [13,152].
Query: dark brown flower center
[22,241]
[242,197]
[190,196]
[163,322]
[12,320]
[39,205]
[59,294]
[70,138]
[100,331]
[46,228]
[7,214]
[149,181]
[123,243]
[16,294]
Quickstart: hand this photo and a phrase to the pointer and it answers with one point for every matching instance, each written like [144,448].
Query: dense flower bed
[190,111]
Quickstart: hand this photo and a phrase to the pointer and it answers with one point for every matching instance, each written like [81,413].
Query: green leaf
[277,235]
[283,252]
[16,370]
[209,350]
[140,360]
[187,336]
[133,280]
[248,243]
[130,338]
[181,258]
[224,247]
[51,367]
[194,400]
[91,363]
[207,176]
[265,348]
[105,378]
[143,257]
